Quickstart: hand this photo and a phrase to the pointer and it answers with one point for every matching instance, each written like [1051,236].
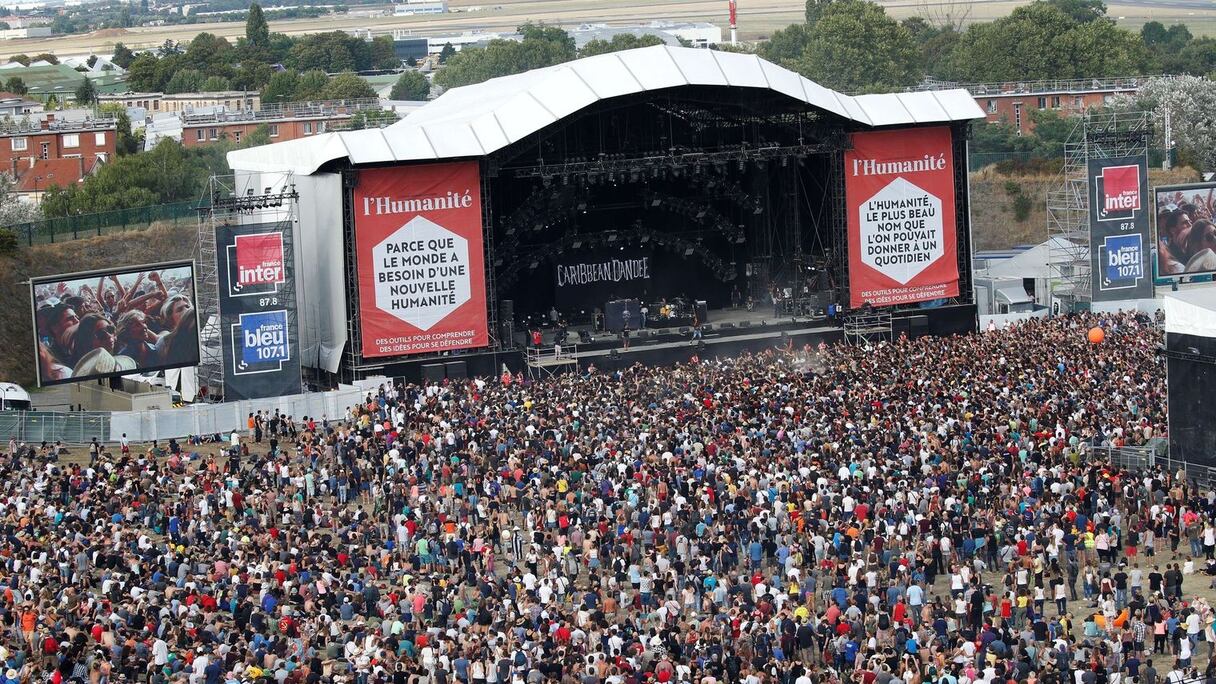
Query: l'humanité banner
[899,188]
[421,266]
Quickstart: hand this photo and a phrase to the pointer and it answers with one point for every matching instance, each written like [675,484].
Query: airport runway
[757,19]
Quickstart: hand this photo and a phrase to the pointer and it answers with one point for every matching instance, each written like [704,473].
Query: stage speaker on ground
[643,335]
[664,331]
[702,311]
[457,370]
[707,327]
[727,326]
[745,324]
[506,322]
[685,330]
[433,372]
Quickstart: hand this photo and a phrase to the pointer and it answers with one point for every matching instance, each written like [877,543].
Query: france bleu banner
[257,311]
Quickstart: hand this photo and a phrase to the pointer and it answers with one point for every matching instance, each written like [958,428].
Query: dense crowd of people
[928,511]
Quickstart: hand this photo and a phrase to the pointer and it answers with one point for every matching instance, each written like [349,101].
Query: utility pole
[1169,142]
[734,36]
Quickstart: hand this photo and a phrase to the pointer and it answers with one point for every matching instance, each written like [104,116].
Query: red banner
[899,187]
[421,266]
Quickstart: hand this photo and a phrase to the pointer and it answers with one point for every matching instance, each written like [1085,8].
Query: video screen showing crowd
[106,323]
[1186,229]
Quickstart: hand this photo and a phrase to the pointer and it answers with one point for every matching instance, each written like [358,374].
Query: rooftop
[1075,85]
[285,111]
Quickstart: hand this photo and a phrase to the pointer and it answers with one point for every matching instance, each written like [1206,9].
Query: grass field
[757,19]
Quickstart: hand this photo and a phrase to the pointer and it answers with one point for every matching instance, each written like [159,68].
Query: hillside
[158,243]
[994,220]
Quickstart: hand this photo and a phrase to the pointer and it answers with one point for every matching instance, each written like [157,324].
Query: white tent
[1191,312]
[1035,262]
[476,120]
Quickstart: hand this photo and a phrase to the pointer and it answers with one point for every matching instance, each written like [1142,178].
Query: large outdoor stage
[651,195]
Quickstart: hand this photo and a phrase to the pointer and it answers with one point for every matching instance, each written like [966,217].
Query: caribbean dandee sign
[899,188]
[420,260]
[257,311]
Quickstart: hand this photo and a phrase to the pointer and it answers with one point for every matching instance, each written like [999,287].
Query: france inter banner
[257,311]
[1119,235]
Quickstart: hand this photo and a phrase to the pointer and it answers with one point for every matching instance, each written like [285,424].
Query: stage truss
[1097,135]
[268,198]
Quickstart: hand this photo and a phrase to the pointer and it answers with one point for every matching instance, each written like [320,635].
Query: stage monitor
[114,322]
[622,313]
[899,190]
[1185,229]
[420,259]
[1118,229]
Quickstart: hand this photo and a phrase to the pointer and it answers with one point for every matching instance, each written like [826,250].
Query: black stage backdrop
[586,279]
[1191,373]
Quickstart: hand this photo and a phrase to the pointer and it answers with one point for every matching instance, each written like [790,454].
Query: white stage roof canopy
[476,120]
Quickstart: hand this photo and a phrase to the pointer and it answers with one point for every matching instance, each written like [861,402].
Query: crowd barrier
[81,427]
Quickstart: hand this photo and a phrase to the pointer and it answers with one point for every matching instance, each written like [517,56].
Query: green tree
[215,84]
[382,53]
[16,85]
[347,87]
[142,73]
[185,81]
[311,86]
[252,75]
[1154,34]
[86,92]
[545,33]
[446,53]
[856,47]
[331,52]
[621,41]
[281,87]
[46,57]
[23,60]
[411,85]
[169,47]
[208,52]
[259,136]
[815,9]
[786,46]
[541,46]
[257,31]
[1080,11]
[126,142]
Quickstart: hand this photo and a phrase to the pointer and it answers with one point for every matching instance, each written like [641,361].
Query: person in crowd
[916,512]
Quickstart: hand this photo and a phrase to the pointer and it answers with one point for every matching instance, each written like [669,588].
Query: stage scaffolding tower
[233,200]
[1097,135]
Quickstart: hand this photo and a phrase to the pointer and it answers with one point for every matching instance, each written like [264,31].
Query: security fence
[64,228]
[80,427]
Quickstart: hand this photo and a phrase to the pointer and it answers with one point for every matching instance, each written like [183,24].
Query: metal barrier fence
[64,228]
[1157,455]
[33,427]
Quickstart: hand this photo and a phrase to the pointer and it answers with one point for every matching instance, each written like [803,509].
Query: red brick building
[1014,102]
[50,152]
[283,122]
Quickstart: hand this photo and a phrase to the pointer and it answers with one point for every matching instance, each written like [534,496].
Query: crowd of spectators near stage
[930,511]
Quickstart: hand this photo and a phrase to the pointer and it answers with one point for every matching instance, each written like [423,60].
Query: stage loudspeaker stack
[745,324]
[506,322]
[727,326]
[708,327]
[457,370]
[702,310]
[433,372]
